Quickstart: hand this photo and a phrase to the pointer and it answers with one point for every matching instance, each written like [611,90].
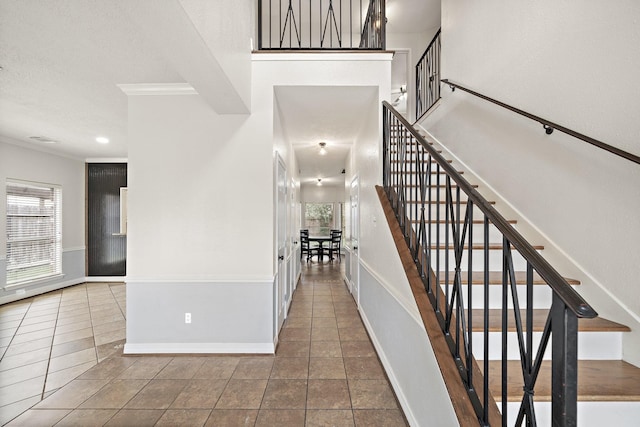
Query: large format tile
[87,418]
[73,395]
[328,394]
[184,418]
[135,417]
[114,395]
[332,417]
[145,368]
[242,394]
[217,368]
[202,394]
[285,394]
[181,368]
[39,417]
[157,394]
[253,368]
[232,418]
[280,418]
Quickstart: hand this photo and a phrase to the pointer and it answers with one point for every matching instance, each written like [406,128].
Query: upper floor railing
[321,24]
[458,239]
[428,77]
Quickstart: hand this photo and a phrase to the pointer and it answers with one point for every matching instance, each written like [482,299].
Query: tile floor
[49,340]
[325,371]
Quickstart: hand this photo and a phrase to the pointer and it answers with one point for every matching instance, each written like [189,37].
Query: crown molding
[152,89]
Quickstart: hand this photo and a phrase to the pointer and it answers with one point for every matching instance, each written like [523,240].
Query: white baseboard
[40,290]
[92,279]
[199,348]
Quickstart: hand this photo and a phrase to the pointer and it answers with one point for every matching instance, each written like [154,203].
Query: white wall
[200,226]
[577,66]
[29,165]
[322,194]
[224,27]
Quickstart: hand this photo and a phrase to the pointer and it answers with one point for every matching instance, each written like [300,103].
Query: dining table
[320,240]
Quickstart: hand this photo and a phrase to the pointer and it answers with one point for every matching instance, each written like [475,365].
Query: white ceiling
[314,114]
[61,62]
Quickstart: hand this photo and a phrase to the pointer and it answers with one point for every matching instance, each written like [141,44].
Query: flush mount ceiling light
[319,184]
[323,150]
[43,139]
[102,140]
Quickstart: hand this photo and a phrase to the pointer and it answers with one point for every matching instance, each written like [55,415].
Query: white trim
[411,311]
[264,279]
[33,282]
[146,89]
[411,419]
[74,249]
[40,290]
[96,279]
[322,56]
[193,348]
[106,160]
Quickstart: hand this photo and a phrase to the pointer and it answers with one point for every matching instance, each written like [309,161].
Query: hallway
[325,372]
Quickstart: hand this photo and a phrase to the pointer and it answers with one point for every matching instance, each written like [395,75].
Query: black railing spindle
[414,163]
[289,24]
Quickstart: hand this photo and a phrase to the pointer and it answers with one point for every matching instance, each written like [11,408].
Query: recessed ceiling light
[323,150]
[43,139]
[319,184]
[102,140]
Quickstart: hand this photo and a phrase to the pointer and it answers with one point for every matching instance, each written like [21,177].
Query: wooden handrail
[548,125]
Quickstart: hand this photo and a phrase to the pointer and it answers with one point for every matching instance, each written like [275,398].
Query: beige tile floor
[325,371]
[49,340]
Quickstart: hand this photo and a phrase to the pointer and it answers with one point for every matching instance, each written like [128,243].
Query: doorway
[354,232]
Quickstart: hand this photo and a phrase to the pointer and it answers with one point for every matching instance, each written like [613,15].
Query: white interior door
[354,232]
[281,244]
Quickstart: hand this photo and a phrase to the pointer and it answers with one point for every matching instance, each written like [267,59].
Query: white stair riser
[542,296]
[495,260]
[441,230]
[591,345]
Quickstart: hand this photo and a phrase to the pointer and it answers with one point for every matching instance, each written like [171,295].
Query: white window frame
[35,221]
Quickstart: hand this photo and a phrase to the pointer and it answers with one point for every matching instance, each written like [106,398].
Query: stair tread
[443,221]
[492,246]
[597,324]
[495,277]
[598,380]
[432,172]
[441,202]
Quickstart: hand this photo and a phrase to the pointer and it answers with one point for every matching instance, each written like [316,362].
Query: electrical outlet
[187,318]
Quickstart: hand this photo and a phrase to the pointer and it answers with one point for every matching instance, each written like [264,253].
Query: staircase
[507,320]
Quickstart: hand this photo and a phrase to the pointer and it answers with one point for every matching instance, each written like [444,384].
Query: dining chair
[304,244]
[335,245]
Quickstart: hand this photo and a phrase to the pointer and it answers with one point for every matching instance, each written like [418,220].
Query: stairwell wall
[576,66]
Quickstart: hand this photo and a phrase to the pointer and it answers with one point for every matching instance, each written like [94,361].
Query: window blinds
[34,231]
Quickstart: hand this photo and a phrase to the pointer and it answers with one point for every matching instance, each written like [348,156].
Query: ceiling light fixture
[319,184]
[102,140]
[323,150]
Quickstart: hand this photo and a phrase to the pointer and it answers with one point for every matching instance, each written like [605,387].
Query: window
[34,231]
[318,218]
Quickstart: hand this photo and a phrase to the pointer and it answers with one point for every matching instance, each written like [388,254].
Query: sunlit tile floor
[48,340]
[325,371]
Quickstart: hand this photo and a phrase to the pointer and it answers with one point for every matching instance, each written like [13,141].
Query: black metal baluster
[485,318]
[505,289]
[469,215]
